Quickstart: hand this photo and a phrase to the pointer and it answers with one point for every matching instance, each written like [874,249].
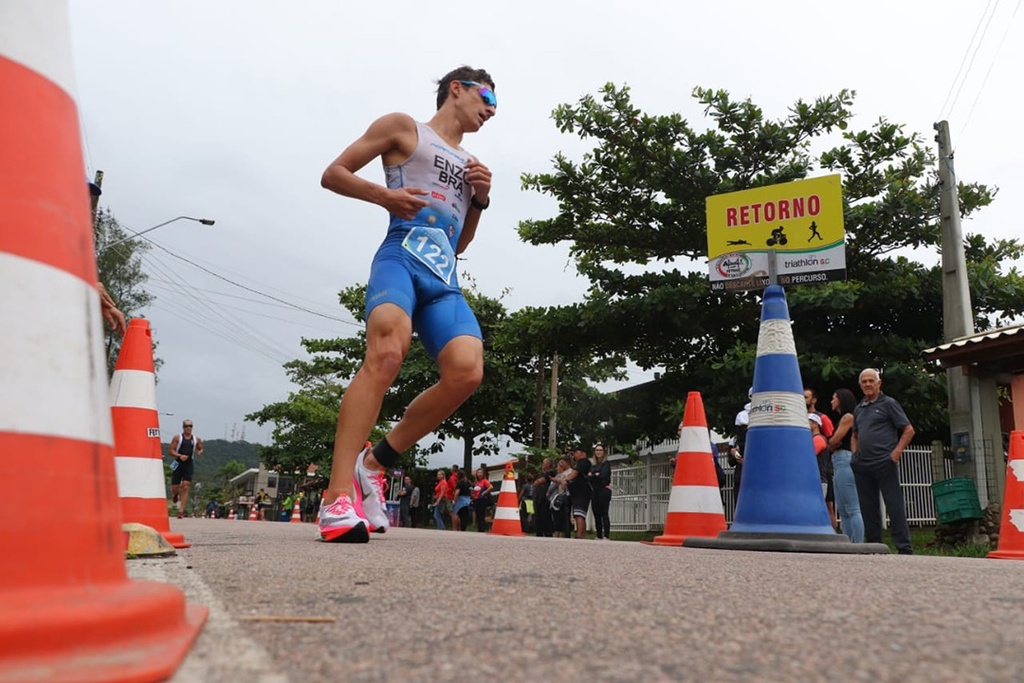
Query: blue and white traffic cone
[781,506]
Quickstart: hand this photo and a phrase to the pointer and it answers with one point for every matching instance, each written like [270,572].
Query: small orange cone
[297,512]
[252,512]
[140,468]
[1011,528]
[695,504]
[506,513]
[231,515]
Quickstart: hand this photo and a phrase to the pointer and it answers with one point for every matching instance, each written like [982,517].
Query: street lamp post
[204,221]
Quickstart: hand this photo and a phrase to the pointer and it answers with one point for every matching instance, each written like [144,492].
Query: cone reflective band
[695,503]
[1011,527]
[506,512]
[140,465]
[67,609]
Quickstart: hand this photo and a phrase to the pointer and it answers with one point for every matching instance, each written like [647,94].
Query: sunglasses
[185,426]
[486,94]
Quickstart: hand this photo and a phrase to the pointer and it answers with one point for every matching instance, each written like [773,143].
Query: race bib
[431,247]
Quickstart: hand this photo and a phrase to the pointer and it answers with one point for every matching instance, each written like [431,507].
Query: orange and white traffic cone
[252,513]
[67,608]
[695,503]
[231,515]
[1011,528]
[297,512]
[506,513]
[140,467]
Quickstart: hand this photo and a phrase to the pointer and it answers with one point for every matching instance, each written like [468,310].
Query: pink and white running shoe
[370,487]
[339,523]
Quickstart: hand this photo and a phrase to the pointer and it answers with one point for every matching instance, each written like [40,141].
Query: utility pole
[958,321]
[538,406]
[554,402]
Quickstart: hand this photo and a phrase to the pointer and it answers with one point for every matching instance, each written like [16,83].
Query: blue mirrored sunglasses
[486,94]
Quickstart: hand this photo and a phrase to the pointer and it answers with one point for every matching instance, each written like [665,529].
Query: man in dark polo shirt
[881,431]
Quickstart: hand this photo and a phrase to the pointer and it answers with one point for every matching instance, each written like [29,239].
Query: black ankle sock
[385,454]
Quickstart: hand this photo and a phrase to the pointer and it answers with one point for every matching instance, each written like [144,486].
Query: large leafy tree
[119,262]
[633,212]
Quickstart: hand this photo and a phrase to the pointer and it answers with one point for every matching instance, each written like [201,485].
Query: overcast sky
[232,110]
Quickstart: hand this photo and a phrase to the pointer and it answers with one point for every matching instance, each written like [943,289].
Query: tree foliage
[121,273]
[633,212]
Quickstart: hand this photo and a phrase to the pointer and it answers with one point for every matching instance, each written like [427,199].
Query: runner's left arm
[479,176]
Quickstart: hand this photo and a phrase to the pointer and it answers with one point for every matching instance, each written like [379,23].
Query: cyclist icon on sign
[778,237]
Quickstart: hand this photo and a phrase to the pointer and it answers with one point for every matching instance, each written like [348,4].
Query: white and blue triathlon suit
[415,266]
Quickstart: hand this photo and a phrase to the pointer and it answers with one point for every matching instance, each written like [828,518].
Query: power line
[964,60]
[984,81]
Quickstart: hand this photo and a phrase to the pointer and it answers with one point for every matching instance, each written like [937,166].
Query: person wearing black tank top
[847,501]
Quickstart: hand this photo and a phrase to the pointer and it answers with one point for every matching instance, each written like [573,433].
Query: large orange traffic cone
[695,504]
[506,513]
[140,465]
[67,608]
[1011,528]
[252,512]
[297,511]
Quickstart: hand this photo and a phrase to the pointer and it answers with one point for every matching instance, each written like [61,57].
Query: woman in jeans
[847,503]
[440,499]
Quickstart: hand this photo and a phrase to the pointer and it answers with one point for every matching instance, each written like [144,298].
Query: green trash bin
[956,499]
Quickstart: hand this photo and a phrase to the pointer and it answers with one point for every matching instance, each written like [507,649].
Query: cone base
[177,540]
[793,543]
[1006,555]
[133,632]
[498,529]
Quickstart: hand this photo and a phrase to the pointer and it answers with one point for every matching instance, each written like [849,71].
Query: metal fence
[640,493]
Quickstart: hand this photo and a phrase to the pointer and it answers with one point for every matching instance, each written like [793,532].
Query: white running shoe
[370,487]
[339,523]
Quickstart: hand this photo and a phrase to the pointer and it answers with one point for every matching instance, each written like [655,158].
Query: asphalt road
[423,605]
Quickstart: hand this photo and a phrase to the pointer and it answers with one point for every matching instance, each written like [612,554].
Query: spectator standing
[482,492]
[737,453]
[404,499]
[600,478]
[579,490]
[542,521]
[881,432]
[414,505]
[440,500]
[463,502]
[811,401]
[558,495]
[824,459]
[847,501]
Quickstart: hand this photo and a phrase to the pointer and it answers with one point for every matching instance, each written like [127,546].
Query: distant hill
[218,452]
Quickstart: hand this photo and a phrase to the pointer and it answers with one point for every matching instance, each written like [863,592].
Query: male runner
[435,194]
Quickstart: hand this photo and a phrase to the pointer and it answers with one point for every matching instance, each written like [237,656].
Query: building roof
[1001,350]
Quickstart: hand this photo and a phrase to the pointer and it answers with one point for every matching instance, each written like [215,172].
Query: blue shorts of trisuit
[415,270]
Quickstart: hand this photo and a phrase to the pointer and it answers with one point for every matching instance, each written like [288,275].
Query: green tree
[120,271]
[633,213]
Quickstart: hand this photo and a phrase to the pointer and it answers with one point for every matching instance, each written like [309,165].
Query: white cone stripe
[700,499]
[133,389]
[508,485]
[506,513]
[1016,467]
[775,336]
[695,440]
[51,354]
[778,409]
[1017,519]
[37,35]
[140,477]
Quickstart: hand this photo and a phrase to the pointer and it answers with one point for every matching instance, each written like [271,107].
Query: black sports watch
[478,205]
